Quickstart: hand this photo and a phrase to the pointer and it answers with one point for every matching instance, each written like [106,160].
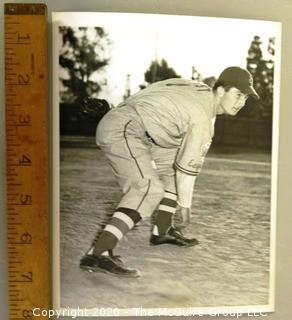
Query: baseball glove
[93,109]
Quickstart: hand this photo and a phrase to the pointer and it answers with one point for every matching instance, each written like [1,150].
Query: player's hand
[182,217]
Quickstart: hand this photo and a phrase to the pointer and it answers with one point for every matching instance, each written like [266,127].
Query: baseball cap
[239,78]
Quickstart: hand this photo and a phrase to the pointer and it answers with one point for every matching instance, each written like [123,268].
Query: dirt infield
[231,219]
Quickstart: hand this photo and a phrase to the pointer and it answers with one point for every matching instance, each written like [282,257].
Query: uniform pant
[143,170]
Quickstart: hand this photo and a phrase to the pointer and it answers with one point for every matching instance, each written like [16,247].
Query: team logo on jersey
[195,164]
[205,148]
[198,163]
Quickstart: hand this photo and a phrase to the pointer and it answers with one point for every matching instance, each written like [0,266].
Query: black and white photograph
[165,153]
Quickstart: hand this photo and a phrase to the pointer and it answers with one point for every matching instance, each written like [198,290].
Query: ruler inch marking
[26,101]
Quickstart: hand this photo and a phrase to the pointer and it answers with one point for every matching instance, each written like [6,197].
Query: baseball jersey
[178,113]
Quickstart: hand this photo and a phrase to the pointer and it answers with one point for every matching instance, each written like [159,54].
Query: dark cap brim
[251,92]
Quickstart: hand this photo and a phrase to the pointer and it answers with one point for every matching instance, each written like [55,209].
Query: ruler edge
[55,175]
[22,9]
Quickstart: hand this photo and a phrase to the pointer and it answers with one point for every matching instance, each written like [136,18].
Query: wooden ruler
[26,100]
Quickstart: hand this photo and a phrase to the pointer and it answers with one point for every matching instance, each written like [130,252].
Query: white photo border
[69,16]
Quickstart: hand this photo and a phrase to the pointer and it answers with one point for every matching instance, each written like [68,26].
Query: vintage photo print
[165,148]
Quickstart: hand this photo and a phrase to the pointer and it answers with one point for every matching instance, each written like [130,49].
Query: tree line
[85,53]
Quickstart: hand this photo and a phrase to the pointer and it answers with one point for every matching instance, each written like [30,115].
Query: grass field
[231,219]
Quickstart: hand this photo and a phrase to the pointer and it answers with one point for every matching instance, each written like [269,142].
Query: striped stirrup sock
[123,220]
[163,217]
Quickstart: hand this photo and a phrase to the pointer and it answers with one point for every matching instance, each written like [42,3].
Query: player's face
[232,101]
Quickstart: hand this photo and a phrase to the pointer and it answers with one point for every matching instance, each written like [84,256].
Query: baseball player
[156,142]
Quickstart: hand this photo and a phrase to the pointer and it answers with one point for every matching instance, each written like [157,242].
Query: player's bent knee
[156,190]
[143,195]
[154,195]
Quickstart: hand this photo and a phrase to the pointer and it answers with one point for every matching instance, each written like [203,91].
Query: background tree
[84,53]
[262,70]
[159,70]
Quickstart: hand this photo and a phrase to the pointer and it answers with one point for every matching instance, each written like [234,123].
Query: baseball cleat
[112,265]
[173,236]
